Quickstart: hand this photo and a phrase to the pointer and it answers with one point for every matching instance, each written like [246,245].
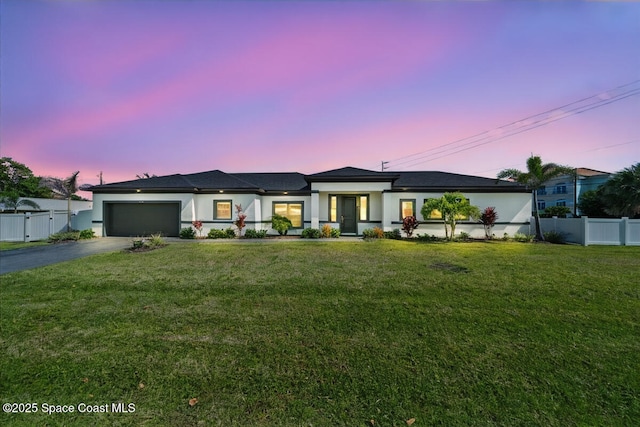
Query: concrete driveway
[39,256]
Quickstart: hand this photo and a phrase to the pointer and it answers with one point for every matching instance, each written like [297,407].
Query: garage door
[142,219]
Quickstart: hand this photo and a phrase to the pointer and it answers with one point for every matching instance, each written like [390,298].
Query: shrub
[464,236]
[335,233]
[281,224]
[559,211]
[255,234]
[409,223]
[325,232]
[505,237]
[523,238]
[368,233]
[65,236]
[87,234]
[156,241]
[395,234]
[428,238]
[555,237]
[221,234]
[188,233]
[310,233]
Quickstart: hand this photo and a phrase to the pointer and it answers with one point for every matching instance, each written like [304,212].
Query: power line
[532,122]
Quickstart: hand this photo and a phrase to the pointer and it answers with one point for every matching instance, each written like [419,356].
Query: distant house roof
[590,172]
[216,180]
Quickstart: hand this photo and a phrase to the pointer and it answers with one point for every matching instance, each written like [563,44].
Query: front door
[348,220]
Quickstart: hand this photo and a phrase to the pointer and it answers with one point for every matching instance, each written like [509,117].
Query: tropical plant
[451,207]
[393,234]
[488,219]
[87,234]
[592,205]
[281,224]
[409,224]
[13,201]
[63,189]
[240,219]
[621,193]
[197,224]
[535,177]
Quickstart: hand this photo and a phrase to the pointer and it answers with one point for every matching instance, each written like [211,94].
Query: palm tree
[534,178]
[451,207]
[621,193]
[63,189]
[12,201]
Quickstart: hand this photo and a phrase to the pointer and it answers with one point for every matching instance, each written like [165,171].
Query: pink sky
[180,87]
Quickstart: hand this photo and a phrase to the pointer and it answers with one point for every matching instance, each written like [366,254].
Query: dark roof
[350,174]
[216,180]
[446,181]
[276,181]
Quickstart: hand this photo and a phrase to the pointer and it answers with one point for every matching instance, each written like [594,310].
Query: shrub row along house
[349,199]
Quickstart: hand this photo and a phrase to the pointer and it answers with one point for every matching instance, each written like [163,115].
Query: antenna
[382,166]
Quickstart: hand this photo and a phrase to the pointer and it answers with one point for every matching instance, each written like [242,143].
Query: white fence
[595,231]
[29,227]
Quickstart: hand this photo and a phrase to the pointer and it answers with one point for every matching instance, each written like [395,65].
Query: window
[436,214]
[542,191]
[364,208]
[333,208]
[541,205]
[560,188]
[561,203]
[292,210]
[222,209]
[407,208]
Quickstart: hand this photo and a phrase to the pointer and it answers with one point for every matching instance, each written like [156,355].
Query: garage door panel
[142,219]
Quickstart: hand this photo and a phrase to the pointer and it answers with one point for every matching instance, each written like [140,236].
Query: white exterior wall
[267,212]
[203,204]
[513,213]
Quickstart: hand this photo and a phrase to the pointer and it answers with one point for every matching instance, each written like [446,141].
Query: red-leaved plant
[488,220]
[239,222]
[409,223]
[197,224]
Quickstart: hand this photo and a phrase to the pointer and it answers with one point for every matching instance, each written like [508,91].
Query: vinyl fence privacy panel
[12,227]
[595,231]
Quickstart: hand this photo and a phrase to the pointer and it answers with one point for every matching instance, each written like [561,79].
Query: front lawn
[382,333]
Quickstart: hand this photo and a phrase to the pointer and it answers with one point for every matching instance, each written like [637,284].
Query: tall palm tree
[63,189]
[534,178]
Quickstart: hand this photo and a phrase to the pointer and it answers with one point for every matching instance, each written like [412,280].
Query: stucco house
[566,190]
[349,199]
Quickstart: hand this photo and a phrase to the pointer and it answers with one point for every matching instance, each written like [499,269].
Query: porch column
[315,209]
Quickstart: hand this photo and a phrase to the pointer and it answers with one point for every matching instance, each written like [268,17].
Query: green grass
[8,246]
[329,333]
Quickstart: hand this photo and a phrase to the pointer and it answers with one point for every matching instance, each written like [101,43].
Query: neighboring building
[565,190]
[350,199]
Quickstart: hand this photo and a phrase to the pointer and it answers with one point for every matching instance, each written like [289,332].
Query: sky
[162,87]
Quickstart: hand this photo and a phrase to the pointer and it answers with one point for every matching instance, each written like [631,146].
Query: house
[349,199]
[566,190]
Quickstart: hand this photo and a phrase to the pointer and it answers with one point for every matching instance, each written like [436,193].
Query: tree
[591,205]
[12,201]
[17,179]
[535,177]
[621,193]
[451,207]
[63,189]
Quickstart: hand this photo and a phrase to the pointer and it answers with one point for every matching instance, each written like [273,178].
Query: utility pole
[382,166]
